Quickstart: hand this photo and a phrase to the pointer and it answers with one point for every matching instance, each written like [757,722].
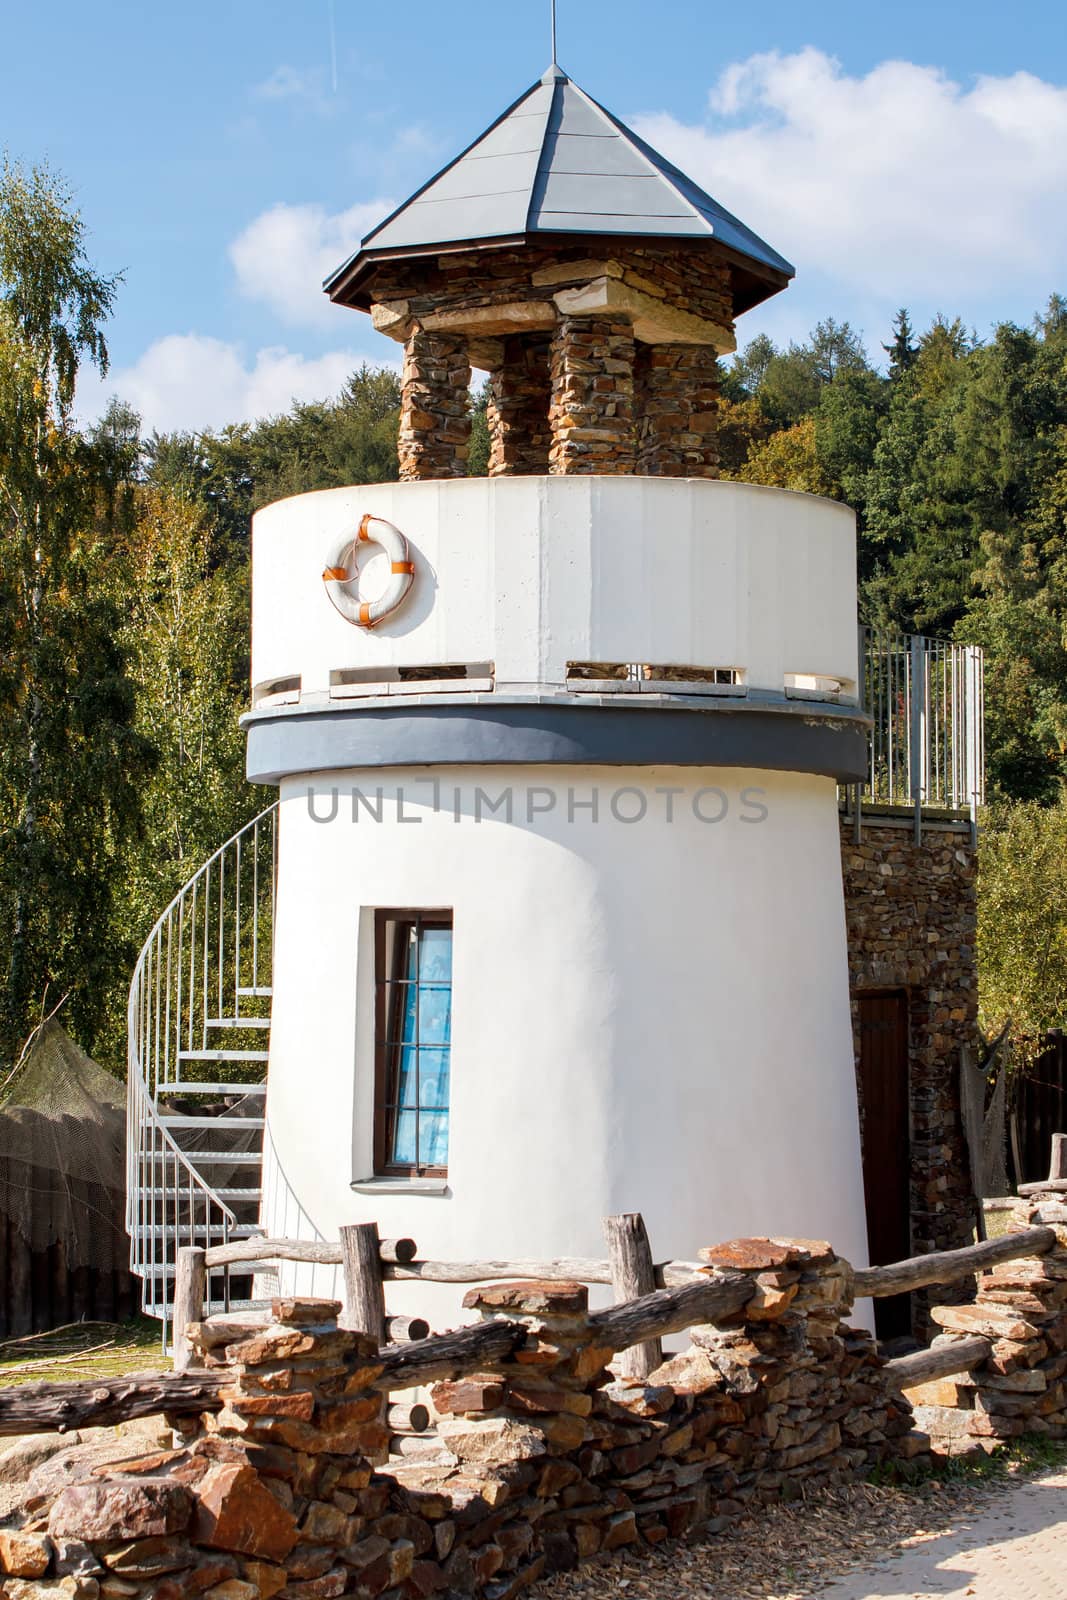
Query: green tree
[70,761]
[185,634]
[1022,924]
[903,352]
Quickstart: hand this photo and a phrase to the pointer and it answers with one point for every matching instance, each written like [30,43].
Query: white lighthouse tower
[560,927]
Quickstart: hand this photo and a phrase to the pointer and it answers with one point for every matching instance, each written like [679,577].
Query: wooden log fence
[950,1266]
[633,1274]
[690,1293]
[98,1403]
[317,1252]
[941,1360]
[46,1406]
[361,1260]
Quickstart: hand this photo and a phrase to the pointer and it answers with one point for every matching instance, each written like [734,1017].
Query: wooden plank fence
[40,1289]
[1038,1108]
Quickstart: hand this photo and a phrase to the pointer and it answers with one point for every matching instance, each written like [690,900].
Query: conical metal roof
[558,163]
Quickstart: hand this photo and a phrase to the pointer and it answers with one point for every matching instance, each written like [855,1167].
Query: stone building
[557,908]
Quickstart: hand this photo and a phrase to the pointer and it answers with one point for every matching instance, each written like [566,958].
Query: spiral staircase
[199,1036]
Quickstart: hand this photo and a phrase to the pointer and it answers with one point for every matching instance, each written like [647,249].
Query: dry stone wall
[591,416]
[1021,1306]
[693,281]
[550,1458]
[911,912]
[557,331]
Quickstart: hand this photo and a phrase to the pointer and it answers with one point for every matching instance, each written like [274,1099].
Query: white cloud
[188,381]
[282,257]
[898,185]
[292,83]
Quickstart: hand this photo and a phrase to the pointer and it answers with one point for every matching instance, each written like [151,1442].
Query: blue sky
[908,154]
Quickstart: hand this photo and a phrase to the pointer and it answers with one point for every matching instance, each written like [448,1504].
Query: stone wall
[591,416]
[557,332]
[435,420]
[911,925]
[1021,1306]
[694,281]
[677,409]
[549,1458]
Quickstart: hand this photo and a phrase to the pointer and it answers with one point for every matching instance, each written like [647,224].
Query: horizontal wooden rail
[565,1270]
[399,1266]
[99,1402]
[940,1361]
[317,1252]
[948,1266]
[670,1310]
[448,1355]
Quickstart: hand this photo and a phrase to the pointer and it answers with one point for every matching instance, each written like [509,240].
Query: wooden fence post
[633,1274]
[364,1290]
[190,1293]
[1058,1168]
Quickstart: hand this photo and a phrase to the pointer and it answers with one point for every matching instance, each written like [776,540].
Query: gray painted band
[816,739]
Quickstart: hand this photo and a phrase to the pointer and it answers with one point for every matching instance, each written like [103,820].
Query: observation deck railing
[927,744]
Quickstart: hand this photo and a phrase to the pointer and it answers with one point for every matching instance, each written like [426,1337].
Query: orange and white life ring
[341,575]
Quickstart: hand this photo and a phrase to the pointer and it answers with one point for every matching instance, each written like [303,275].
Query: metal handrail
[163,1013]
[926,749]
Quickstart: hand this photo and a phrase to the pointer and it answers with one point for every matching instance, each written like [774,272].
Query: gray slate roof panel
[557,162]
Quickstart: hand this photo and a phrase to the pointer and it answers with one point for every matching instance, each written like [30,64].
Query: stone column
[677,404]
[435,421]
[592,413]
[519,388]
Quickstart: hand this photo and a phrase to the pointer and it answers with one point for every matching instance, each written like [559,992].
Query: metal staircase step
[217,1235]
[165,1089]
[239,1194]
[262,991]
[238,1022]
[224,1158]
[188,1124]
[224,1055]
[160,1311]
[148,1271]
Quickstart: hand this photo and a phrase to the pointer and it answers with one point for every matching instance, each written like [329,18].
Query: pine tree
[903,352]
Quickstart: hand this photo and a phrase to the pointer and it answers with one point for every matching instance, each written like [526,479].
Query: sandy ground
[1015,1548]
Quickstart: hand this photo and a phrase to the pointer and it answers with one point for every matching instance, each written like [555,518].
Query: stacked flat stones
[548,1458]
[605,365]
[1021,1306]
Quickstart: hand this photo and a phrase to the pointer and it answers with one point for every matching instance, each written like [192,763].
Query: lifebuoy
[341,575]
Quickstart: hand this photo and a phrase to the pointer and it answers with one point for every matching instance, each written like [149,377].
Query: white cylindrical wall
[528,574]
[648,1015]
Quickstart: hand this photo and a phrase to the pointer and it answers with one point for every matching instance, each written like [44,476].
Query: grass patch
[82,1350]
[1031,1453]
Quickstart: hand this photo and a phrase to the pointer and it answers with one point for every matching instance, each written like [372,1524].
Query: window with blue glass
[413,969]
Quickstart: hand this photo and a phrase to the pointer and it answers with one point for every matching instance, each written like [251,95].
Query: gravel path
[990,1539]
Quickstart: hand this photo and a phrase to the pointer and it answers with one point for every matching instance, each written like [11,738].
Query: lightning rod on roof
[553,5]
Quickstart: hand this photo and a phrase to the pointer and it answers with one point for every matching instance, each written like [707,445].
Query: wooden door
[886,1144]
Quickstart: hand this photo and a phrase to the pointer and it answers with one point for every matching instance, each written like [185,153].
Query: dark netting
[220,1141]
[63,1154]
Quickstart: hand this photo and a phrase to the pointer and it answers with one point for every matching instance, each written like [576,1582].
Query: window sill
[400,1186]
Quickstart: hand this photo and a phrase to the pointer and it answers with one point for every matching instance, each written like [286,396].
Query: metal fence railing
[927,742]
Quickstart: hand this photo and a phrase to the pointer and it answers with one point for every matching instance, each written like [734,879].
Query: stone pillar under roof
[435,419]
[519,433]
[677,404]
[592,408]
